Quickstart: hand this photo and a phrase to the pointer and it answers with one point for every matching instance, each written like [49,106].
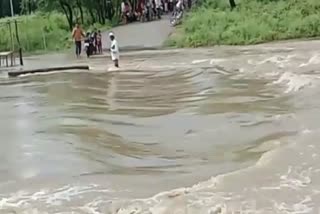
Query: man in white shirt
[114,50]
[179,5]
[123,7]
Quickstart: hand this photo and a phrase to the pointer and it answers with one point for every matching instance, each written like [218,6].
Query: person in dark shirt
[89,44]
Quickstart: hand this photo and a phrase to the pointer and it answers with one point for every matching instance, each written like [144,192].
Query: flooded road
[123,141]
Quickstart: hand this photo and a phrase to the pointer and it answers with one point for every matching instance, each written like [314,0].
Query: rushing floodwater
[189,131]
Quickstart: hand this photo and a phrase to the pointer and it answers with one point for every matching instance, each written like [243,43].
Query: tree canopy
[82,11]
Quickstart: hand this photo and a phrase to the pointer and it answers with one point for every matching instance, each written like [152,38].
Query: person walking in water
[77,35]
[114,50]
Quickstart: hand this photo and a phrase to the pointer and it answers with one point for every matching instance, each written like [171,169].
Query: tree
[232,4]
[85,11]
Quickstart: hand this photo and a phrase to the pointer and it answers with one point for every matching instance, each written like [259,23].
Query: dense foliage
[84,11]
[249,22]
[45,25]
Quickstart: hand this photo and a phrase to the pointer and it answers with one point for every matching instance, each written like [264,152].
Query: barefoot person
[114,50]
[99,42]
[77,35]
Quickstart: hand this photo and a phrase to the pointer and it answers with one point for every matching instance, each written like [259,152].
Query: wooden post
[18,40]
[11,36]
[44,40]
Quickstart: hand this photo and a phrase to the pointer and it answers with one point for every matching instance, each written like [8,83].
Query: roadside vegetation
[218,22]
[39,32]
[46,25]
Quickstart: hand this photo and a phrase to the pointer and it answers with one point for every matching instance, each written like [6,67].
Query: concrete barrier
[45,70]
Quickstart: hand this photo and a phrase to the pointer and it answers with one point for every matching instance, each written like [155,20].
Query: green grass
[252,22]
[40,33]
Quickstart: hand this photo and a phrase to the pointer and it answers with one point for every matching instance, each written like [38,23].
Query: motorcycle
[89,47]
[176,17]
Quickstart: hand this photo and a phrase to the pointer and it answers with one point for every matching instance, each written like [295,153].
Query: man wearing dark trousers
[77,35]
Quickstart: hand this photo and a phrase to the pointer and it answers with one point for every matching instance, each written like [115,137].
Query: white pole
[11,6]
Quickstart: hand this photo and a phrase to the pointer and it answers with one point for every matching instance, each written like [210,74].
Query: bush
[252,22]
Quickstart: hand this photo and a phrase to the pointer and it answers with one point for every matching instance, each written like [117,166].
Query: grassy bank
[40,33]
[252,22]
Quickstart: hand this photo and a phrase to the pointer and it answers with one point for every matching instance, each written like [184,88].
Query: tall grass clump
[252,22]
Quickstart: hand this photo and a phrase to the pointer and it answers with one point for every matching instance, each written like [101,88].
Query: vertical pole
[11,35]
[18,40]
[12,14]
[11,7]
[44,40]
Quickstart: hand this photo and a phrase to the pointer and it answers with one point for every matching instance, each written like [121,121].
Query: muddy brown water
[138,140]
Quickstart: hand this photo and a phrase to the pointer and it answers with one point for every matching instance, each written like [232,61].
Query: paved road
[136,36]
[140,35]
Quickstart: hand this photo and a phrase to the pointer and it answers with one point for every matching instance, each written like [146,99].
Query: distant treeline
[83,11]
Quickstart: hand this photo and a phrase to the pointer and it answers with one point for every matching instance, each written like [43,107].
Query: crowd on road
[148,10]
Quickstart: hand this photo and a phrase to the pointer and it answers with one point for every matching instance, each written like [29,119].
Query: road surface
[148,35]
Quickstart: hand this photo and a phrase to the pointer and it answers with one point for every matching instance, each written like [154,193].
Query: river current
[221,130]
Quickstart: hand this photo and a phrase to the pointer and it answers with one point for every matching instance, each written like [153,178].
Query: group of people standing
[93,43]
[147,10]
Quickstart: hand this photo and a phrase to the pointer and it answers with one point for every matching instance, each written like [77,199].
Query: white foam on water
[223,193]
[279,60]
[216,61]
[48,197]
[314,60]
[295,179]
[302,207]
[198,61]
[294,82]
